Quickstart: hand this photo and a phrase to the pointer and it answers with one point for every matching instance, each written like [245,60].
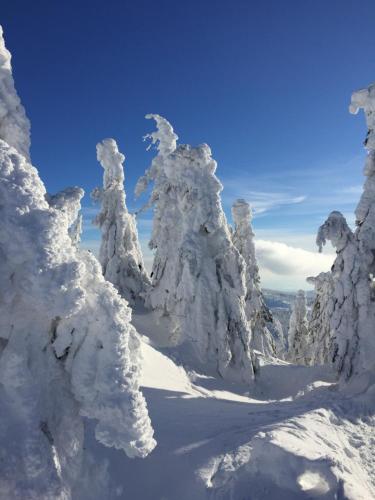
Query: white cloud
[286,267]
[261,201]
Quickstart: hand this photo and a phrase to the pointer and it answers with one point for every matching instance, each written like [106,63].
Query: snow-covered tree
[320,332]
[69,201]
[14,124]
[298,338]
[67,347]
[267,335]
[120,253]
[365,236]
[345,272]
[198,276]
[353,318]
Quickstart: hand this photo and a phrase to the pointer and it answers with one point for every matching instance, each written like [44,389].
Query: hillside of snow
[291,435]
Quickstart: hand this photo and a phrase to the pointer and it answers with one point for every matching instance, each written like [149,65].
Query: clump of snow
[120,254]
[198,276]
[14,124]
[267,335]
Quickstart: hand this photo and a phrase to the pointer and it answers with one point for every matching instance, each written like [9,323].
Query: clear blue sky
[266,84]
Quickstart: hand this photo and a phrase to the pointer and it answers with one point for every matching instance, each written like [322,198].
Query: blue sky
[265,84]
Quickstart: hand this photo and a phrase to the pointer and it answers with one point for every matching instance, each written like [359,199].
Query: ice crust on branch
[198,276]
[120,253]
[67,347]
[14,124]
[298,338]
[267,335]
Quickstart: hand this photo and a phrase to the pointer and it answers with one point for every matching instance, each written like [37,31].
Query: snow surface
[292,435]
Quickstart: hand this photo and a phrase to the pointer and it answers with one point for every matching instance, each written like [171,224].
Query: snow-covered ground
[291,435]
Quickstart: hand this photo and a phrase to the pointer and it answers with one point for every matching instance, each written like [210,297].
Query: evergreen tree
[198,276]
[67,349]
[298,332]
[320,332]
[353,317]
[267,335]
[120,253]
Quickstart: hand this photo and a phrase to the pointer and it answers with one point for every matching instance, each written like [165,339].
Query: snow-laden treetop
[241,212]
[14,124]
[334,229]
[164,136]
[365,99]
[111,160]
[319,280]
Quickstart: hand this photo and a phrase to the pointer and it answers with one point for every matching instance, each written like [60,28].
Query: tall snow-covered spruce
[353,318]
[120,253]
[319,327]
[67,348]
[14,124]
[298,340]
[267,335]
[198,276]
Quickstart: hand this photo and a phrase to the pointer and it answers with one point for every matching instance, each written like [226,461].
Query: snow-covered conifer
[320,332]
[353,318]
[120,253]
[298,332]
[198,276]
[14,124]
[258,314]
[365,235]
[68,349]
[345,271]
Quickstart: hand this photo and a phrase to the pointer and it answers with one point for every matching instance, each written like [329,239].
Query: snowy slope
[218,440]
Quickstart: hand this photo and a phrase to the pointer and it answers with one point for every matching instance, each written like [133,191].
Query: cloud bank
[286,267]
